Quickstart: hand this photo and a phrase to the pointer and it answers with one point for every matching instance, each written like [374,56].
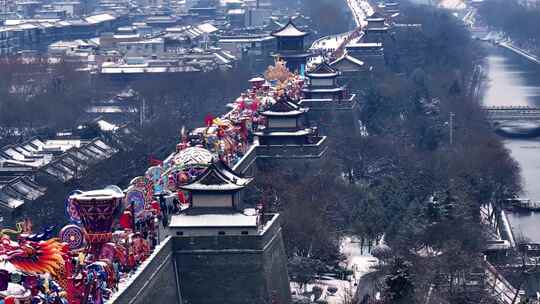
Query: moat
[515,81]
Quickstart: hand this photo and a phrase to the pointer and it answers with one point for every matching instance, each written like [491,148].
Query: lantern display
[97,209]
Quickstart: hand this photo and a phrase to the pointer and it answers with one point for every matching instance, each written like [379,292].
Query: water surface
[515,81]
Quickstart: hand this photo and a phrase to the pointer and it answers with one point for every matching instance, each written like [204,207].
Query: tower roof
[289,30]
[375,17]
[347,57]
[323,70]
[218,177]
[284,107]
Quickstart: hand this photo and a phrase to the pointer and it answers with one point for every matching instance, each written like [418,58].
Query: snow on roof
[236,11]
[324,90]
[222,58]
[27,26]
[106,126]
[8,162]
[207,28]
[376,16]
[233,219]
[99,18]
[126,36]
[323,70]
[63,23]
[348,58]
[257,79]
[218,177]
[285,133]
[365,45]
[289,30]
[62,144]
[246,39]
[21,21]
[10,202]
[290,113]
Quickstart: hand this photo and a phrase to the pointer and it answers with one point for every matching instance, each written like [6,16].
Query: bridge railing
[510,108]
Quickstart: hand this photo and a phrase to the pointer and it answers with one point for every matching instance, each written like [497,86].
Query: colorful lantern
[97,209]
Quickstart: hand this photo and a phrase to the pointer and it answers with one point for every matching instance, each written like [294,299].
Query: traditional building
[290,46]
[348,65]
[285,134]
[328,101]
[372,53]
[322,83]
[377,29]
[391,9]
[218,245]
[215,205]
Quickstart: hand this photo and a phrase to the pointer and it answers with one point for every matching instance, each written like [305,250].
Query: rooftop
[289,30]
[284,108]
[218,177]
[323,70]
[347,57]
[99,18]
[212,217]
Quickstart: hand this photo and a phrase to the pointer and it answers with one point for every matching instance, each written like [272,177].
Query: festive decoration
[73,236]
[278,71]
[33,257]
[109,234]
[96,209]
[71,210]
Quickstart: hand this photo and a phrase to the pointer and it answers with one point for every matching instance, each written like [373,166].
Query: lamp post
[451,126]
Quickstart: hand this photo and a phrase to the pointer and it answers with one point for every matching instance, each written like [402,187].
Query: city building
[286,134]
[322,83]
[290,46]
[376,29]
[216,239]
[248,45]
[371,53]
[348,65]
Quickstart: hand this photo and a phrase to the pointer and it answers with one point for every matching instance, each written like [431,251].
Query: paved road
[366,287]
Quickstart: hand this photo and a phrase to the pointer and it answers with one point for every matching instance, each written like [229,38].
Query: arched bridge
[512,113]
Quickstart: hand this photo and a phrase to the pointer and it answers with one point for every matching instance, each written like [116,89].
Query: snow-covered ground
[360,10]
[358,261]
[453,4]
[329,42]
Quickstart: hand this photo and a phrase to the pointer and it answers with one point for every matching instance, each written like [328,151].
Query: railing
[243,165]
[511,108]
[500,287]
[329,103]
[512,113]
[294,151]
[148,274]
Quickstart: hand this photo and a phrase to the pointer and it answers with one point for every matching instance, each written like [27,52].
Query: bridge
[507,113]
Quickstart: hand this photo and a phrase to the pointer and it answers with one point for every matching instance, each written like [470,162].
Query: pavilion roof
[218,177]
[376,16]
[323,70]
[347,57]
[289,30]
[284,107]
